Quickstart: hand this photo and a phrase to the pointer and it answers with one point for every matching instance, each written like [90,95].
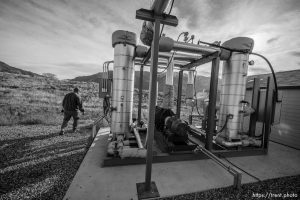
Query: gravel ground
[280,188]
[37,163]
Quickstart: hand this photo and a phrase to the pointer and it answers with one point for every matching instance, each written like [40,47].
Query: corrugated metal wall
[288,130]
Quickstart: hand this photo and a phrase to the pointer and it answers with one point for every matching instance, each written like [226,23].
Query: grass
[38,163]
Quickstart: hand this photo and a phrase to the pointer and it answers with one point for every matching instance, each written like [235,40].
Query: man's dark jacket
[72,102]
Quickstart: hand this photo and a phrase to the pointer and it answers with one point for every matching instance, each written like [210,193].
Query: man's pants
[67,117]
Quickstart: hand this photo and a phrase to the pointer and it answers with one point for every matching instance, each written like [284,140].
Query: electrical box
[277,109]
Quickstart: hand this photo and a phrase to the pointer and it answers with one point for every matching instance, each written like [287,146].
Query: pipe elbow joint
[166,44]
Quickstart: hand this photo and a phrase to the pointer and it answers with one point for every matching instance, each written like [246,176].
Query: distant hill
[202,82]
[9,69]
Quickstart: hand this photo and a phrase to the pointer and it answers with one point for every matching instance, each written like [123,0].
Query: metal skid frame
[213,151]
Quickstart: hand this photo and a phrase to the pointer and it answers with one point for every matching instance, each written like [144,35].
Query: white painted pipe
[170,72]
[190,85]
[167,44]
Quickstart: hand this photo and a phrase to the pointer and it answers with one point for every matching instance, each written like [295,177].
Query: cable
[225,124]
[273,73]
[284,145]
[239,168]
[220,156]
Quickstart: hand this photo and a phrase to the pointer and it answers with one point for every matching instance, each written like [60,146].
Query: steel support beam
[268,112]
[254,105]
[148,15]
[153,96]
[213,90]
[179,94]
[140,94]
[201,61]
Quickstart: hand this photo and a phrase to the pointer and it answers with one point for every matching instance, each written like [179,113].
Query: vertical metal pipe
[153,96]
[179,93]
[268,112]
[190,86]
[168,96]
[213,90]
[254,105]
[140,94]
[170,70]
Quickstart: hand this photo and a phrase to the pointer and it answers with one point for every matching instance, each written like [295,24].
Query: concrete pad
[113,183]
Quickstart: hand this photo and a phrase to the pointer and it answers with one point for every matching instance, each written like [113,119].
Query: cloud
[71,35]
[295,53]
[258,70]
[271,40]
[82,66]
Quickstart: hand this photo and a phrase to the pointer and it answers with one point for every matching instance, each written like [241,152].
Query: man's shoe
[62,132]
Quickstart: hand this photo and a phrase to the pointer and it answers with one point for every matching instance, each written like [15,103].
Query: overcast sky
[73,37]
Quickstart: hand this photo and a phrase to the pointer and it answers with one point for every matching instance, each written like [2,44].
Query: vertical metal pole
[140,94]
[152,101]
[268,112]
[254,105]
[179,93]
[213,90]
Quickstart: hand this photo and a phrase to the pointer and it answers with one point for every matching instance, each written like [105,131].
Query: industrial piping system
[163,121]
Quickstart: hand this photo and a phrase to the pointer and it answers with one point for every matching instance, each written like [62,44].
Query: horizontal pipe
[220,140]
[193,48]
[164,62]
[179,56]
[237,174]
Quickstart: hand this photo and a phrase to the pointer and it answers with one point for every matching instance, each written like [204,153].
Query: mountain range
[285,78]
[202,81]
[9,69]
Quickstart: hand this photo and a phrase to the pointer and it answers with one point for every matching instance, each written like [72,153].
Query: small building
[287,130]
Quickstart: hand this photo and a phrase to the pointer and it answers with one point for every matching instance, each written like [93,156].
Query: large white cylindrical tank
[233,89]
[124,43]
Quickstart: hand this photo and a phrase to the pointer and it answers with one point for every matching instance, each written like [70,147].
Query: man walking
[71,104]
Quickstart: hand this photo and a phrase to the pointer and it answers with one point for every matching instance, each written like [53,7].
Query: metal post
[140,94]
[255,100]
[179,93]
[152,100]
[213,90]
[268,112]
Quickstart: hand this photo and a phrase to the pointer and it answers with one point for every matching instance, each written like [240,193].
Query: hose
[225,124]
[273,73]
